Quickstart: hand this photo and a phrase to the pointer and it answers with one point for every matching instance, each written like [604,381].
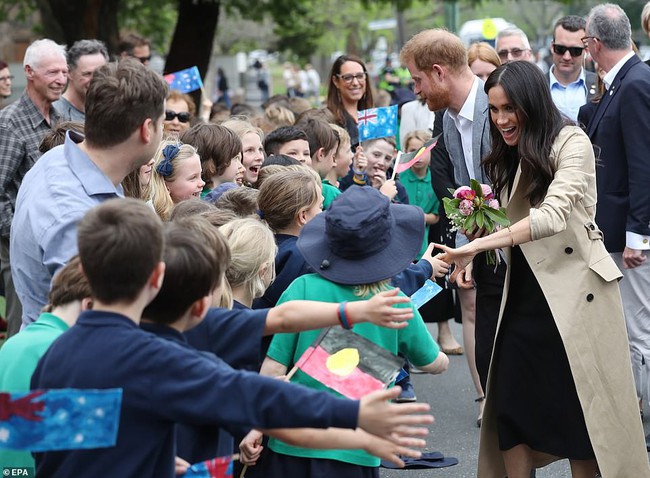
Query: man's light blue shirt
[570,98]
[55,194]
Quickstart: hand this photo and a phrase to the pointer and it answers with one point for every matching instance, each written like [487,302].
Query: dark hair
[216,146]
[190,207]
[539,124]
[56,137]
[69,285]
[117,89]
[571,23]
[320,134]
[130,41]
[85,47]
[243,109]
[120,244]
[323,114]
[279,136]
[334,102]
[280,160]
[196,256]
[3,65]
[242,201]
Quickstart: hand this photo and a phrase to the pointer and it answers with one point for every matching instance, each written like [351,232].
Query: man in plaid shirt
[22,125]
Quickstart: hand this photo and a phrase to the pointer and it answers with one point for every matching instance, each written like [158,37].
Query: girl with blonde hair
[176,176]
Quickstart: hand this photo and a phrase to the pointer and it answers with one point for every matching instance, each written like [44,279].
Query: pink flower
[466,207]
[464,192]
[494,204]
[487,191]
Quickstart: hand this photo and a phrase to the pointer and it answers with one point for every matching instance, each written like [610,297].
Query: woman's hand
[460,257]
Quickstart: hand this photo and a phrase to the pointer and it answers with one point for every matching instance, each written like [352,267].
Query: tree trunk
[70,20]
[193,38]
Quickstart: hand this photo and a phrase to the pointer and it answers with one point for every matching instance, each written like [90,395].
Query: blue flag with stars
[377,122]
[185,80]
[65,419]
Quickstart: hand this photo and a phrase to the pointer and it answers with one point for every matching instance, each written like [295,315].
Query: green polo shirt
[18,359]
[414,342]
[421,194]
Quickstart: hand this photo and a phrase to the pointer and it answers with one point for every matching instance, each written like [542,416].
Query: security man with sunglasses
[571,85]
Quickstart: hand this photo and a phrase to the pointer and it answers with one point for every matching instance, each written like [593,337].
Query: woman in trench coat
[560,382]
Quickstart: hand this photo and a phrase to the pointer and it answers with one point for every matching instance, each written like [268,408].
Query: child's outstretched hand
[380,311]
[392,450]
[440,267]
[387,187]
[180,466]
[392,420]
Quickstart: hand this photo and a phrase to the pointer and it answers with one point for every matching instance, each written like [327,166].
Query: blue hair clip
[165,167]
[260,213]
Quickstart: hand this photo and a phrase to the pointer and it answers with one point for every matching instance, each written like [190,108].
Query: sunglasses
[348,79]
[142,59]
[183,117]
[515,53]
[573,50]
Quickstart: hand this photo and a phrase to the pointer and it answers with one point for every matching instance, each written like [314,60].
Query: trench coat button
[590,297]
[569,250]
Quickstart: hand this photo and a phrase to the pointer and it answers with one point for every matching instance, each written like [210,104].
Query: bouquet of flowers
[475,206]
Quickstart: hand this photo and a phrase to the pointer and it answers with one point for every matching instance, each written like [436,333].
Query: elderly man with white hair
[23,124]
[512,45]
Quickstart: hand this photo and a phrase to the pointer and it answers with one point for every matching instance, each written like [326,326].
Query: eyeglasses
[7,78]
[515,53]
[348,79]
[142,59]
[573,50]
[585,40]
[183,117]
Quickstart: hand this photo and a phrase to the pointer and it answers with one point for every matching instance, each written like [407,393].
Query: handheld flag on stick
[185,80]
[216,468]
[377,122]
[405,160]
[349,363]
[65,419]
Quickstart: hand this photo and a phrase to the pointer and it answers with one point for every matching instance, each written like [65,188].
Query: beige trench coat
[580,282]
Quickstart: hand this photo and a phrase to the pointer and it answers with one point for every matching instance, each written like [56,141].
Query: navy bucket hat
[362,238]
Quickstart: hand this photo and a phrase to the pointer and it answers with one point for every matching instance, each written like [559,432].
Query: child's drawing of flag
[185,80]
[406,160]
[349,363]
[216,468]
[65,419]
[377,122]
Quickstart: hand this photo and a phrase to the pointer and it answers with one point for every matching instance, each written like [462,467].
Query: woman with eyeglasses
[179,112]
[5,81]
[349,92]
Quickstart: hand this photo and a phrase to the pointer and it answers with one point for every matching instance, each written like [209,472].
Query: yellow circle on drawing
[489,29]
[343,362]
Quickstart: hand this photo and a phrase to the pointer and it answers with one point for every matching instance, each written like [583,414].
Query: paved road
[454,432]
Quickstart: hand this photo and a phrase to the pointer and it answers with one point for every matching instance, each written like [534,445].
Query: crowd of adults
[556,334]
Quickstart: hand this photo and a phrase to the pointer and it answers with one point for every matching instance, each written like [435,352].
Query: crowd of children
[180,290]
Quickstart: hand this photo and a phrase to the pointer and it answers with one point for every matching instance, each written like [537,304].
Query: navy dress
[536,399]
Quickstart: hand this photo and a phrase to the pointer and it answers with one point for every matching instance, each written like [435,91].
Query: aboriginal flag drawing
[349,363]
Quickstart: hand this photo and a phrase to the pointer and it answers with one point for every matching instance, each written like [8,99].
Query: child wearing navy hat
[355,247]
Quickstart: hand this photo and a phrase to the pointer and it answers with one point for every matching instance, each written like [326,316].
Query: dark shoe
[647,442]
[479,420]
[407,395]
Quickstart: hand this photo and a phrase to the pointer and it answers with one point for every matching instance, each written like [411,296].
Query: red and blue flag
[216,468]
[377,122]
[65,419]
[185,80]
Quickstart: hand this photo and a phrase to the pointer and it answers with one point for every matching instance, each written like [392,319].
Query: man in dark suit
[620,130]
[571,85]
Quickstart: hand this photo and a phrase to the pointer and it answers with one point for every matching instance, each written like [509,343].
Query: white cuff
[637,241]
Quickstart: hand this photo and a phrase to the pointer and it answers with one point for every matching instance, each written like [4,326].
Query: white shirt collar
[554,79]
[611,74]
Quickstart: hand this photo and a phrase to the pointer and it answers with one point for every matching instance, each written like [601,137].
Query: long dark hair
[539,124]
[334,102]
